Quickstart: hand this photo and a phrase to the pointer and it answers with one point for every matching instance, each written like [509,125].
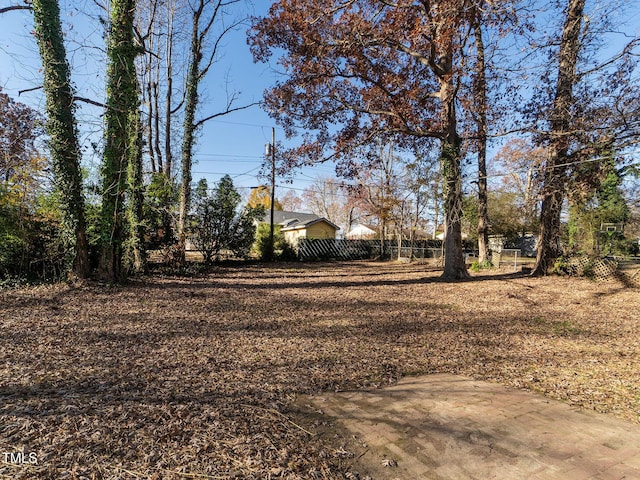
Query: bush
[476,266]
[160,202]
[282,250]
[33,251]
[32,245]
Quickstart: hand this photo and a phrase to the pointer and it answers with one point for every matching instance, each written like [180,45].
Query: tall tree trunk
[156,121]
[135,254]
[193,80]
[122,101]
[481,102]
[554,186]
[414,226]
[61,127]
[454,266]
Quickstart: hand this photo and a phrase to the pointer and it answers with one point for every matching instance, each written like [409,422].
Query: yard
[182,378]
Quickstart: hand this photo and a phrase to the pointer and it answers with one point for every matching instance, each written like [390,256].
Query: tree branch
[220,114]
[20,92]
[627,50]
[15,7]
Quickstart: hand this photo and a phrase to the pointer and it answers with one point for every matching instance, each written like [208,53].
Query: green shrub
[477,266]
[561,266]
[282,250]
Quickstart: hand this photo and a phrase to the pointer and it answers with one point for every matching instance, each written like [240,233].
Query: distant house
[296,225]
[361,231]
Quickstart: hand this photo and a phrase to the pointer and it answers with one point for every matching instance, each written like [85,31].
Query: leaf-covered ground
[197,377]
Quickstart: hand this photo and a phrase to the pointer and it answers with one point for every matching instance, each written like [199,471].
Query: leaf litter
[178,378]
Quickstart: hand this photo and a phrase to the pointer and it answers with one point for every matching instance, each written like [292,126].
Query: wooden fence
[344,249]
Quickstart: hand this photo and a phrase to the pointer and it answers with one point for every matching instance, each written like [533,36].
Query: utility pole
[272,151]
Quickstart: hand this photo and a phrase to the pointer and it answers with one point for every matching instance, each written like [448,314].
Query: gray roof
[293,219]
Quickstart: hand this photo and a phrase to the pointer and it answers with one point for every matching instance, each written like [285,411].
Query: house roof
[294,220]
[293,225]
[364,226]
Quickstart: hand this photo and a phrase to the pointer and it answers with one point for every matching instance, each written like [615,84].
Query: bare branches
[227,111]
[416,55]
[213,15]
[627,50]
[94,103]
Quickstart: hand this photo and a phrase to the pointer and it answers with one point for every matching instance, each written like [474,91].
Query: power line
[235,175]
[231,155]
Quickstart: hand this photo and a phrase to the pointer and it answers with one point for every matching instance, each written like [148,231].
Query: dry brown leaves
[196,378]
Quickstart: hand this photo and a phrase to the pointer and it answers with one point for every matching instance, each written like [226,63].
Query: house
[296,225]
[361,231]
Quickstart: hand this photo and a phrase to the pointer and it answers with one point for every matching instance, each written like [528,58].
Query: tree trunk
[122,102]
[436,205]
[189,131]
[193,79]
[454,265]
[61,127]
[554,186]
[481,102]
[399,230]
[156,121]
[146,74]
[135,253]
[414,227]
[168,114]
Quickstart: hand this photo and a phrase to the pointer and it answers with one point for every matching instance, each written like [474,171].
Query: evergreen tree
[218,222]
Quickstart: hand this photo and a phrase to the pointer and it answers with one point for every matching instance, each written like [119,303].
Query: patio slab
[446,427]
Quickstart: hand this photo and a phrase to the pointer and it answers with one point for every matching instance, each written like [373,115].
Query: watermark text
[20,458]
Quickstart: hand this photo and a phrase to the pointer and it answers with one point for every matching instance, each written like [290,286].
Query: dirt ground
[176,378]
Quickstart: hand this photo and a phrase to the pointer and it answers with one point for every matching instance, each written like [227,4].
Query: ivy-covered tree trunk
[135,254]
[61,127]
[122,102]
[555,176]
[189,126]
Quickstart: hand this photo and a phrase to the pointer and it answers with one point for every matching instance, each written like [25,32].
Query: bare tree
[380,191]
[326,197]
[158,28]
[519,166]
[480,90]
[211,23]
